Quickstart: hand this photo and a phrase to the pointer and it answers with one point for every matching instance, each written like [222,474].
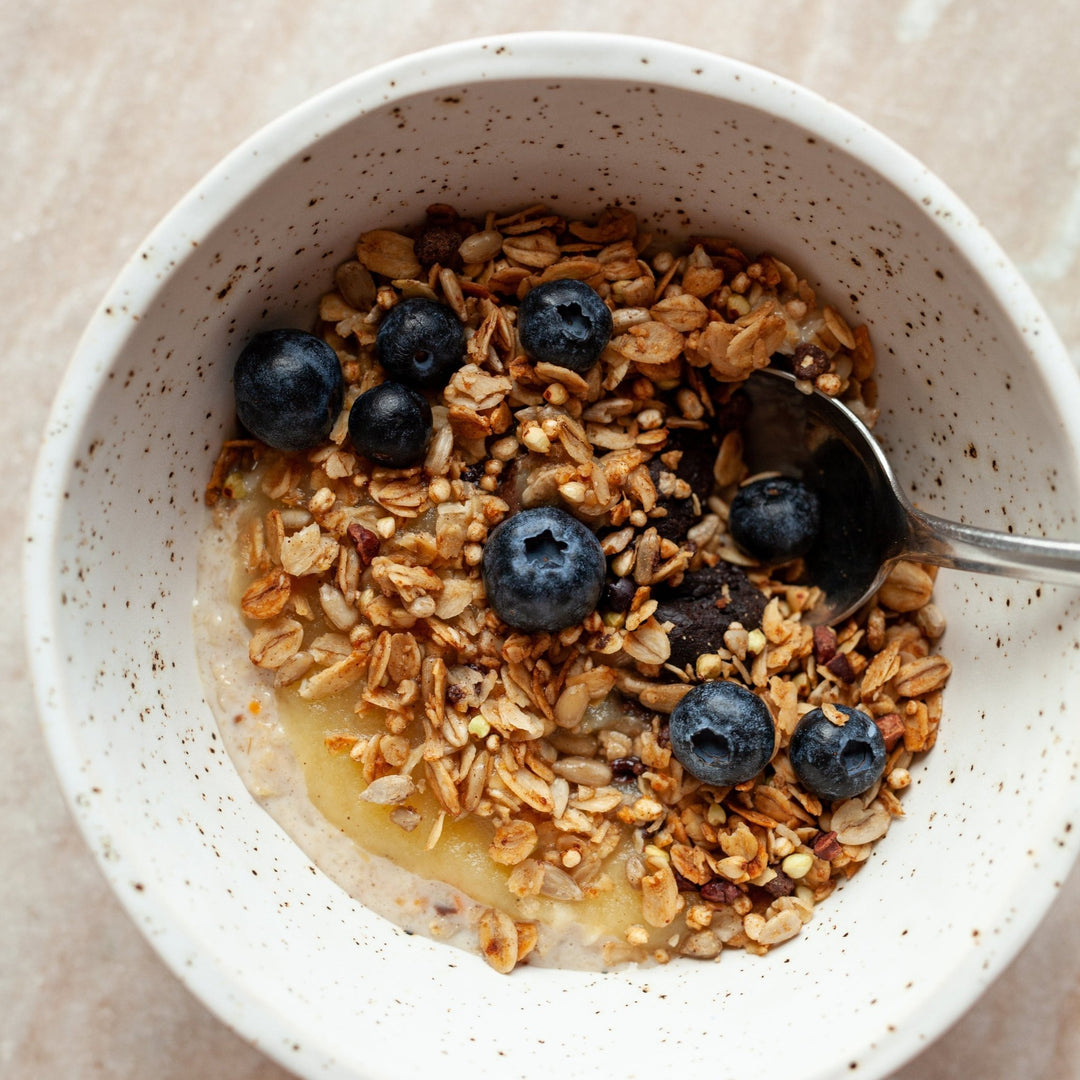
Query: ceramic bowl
[981,421]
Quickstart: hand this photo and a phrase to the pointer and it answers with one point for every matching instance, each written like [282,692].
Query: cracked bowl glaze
[981,421]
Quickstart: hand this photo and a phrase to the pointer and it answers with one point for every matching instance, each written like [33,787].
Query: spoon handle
[964,547]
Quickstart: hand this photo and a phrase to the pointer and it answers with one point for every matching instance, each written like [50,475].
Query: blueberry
[564,323]
[420,342]
[288,391]
[722,733]
[835,761]
[543,570]
[391,424]
[774,520]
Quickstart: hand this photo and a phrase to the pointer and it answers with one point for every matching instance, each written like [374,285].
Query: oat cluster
[365,581]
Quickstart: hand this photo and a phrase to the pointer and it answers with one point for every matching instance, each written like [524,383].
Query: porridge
[501,631]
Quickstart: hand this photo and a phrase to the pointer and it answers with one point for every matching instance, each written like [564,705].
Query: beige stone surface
[110,111]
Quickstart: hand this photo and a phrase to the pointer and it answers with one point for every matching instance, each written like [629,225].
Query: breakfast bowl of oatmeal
[421,646]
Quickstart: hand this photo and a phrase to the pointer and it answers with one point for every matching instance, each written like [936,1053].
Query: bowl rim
[568,54]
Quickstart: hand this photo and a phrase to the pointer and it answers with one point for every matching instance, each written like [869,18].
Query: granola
[365,603]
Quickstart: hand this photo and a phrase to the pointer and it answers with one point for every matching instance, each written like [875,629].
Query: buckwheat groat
[512,741]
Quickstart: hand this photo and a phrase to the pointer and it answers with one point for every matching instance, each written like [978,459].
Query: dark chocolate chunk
[841,667]
[698,455]
[698,449]
[703,605]
[684,884]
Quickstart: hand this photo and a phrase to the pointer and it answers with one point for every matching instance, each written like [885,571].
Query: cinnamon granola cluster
[365,585]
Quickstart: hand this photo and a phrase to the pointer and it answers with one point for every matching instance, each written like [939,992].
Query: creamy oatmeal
[513,789]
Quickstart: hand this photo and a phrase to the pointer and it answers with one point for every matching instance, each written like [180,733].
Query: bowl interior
[976,420]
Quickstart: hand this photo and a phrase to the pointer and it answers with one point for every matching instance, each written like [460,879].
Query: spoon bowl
[867,523]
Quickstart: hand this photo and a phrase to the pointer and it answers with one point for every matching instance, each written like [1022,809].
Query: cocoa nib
[826,846]
[891,727]
[824,644]
[703,605]
[781,885]
[763,895]
[840,666]
[720,891]
[367,542]
[697,452]
[626,768]
[683,884]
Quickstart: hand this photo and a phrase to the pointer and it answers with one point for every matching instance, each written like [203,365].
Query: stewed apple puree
[279,744]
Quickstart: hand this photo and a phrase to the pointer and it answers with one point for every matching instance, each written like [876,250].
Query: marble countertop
[110,112]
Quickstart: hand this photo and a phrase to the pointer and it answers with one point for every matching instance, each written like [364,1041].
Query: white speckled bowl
[982,423]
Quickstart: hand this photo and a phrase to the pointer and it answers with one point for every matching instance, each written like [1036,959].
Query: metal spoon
[867,524]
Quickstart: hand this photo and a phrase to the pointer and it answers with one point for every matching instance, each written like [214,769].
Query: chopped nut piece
[826,846]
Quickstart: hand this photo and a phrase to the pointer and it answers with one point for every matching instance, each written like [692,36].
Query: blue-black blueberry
[722,733]
[287,386]
[391,424]
[837,761]
[543,570]
[564,322]
[775,519]
[420,343]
